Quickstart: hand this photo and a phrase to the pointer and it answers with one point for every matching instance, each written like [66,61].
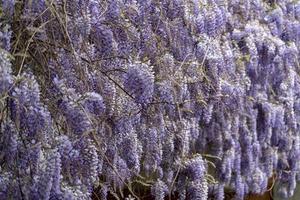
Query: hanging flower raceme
[139,82]
[182,98]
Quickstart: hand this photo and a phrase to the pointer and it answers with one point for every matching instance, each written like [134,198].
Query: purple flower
[139,82]
[6,78]
[5,38]
[195,168]
[197,190]
[102,37]
[93,103]
[159,190]
[49,177]
[8,7]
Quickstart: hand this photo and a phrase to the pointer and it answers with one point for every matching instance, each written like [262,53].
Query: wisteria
[138,99]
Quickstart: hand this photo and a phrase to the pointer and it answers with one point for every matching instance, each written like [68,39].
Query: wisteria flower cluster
[182,98]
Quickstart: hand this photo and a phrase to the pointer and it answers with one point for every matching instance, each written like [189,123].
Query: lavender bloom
[219,192]
[257,184]
[6,78]
[195,168]
[103,40]
[159,190]
[152,93]
[153,150]
[197,190]
[210,22]
[139,82]
[130,152]
[10,142]
[104,192]
[76,119]
[166,96]
[200,23]
[93,103]
[51,173]
[89,162]
[67,150]
[275,16]
[208,112]
[27,109]
[5,37]
[220,18]
[148,49]
[81,23]
[56,188]
[113,10]
[3,184]
[8,7]
[34,9]
[240,188]
[123,172]
[297,10]
[225,169]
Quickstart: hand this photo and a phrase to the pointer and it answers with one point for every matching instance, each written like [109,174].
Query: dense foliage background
[118,99]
